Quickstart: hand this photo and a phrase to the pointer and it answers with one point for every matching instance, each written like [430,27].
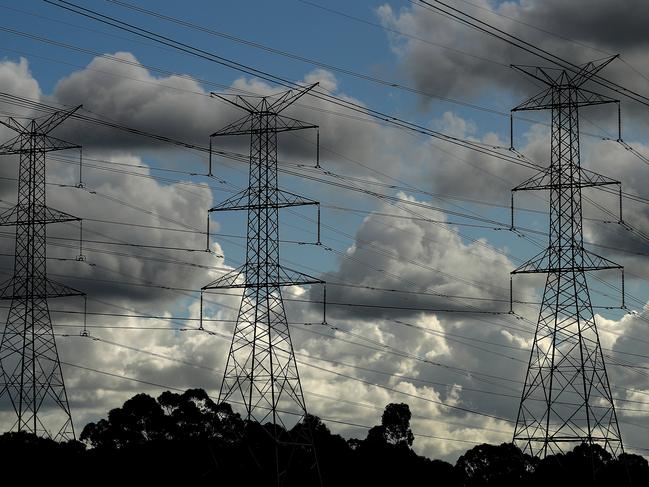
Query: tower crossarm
[49,144]
[235,279]
[560,79]
[590,69]
[13,124]
[587,98]
[291,277]
[245,126]
[15,145]
[581,178]
[39,127]
[11,289]
[41,215]
[238,127]
[241,201]
[290,97]
[542,262]
[556,76]
[545,101]
[288,124]
[46,124]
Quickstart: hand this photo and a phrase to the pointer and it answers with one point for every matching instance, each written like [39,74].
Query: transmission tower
[261,372]
[566,399]
[29,361]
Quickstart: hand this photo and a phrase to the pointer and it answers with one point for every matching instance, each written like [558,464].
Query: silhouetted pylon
[567,398]
[29,361]
[261,372]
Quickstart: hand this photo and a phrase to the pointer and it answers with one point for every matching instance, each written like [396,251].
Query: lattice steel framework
[261,371]
[566,399]
[29,361]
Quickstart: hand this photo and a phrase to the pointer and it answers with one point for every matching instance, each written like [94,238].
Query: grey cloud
[180,108]
[625,247]
[609,27]
[126,93]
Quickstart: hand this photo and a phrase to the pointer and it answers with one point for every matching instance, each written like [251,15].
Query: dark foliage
[187,438]
[495,465]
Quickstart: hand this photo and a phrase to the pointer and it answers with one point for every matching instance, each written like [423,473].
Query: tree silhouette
[593,464]
[385,457]
[395,427]
[396,424]
[182,438]
[139,420]
[177,417]
[500,465]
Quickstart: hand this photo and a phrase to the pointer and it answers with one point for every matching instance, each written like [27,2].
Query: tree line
[189,438]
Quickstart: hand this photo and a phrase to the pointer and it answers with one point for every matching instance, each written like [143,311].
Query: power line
[158,385]
[475,23]
[314,62]
[323,369]
[380,196]
[323,95]
[461,297]
[502,227]
[382,346]
[330,361]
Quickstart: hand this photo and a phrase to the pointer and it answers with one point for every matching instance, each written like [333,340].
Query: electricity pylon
[261,372]
[29,361]
[567,398]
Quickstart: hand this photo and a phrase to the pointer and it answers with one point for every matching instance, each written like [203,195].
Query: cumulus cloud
[398,253]
[118,88]
[16,79]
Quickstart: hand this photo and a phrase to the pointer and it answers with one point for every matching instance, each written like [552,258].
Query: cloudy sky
[434,226]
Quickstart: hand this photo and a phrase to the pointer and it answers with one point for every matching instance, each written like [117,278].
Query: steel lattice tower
[261,371]
[29,361]
[566,399]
